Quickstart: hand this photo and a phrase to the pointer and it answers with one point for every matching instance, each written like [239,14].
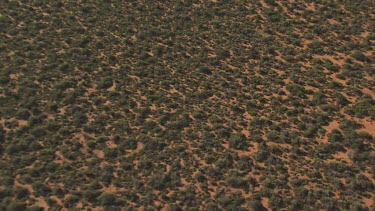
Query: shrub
[35,208]
[21,192]
[71,201]
[335,136]
[318,98]
[38,131]
[16,206]
[275,202]
[210,206]
[129,143]
[40,189]
[365,107]
[222,53]
[205,70]
[106,199]
[255,203]
[295,89]
[358,55]
[238,141]
[199,177]
[236,182]
[173,207]
[23,114]
[106,83]
[289,58]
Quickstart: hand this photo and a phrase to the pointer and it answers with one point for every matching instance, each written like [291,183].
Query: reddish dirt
[369,202]
[369,92]
[99,153]
[332,125]
[368,125]
[343,156]
[265,202]
[39,201]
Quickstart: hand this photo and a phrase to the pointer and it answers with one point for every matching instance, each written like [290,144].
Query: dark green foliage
[199,177]
[231,201]
[71,201]
[210,206]
[16,206]
[236,182]
[238,141]
[296,90]
[41,189]
[90,195]
[335,136]
[365,107]
[205,70]
[318,98]
[341,99]
[23,114]
[222,53]
[358,55]
[255,203]
[35,208]
[160,182]
[173,207]
[21,193]
[105,83]
[106,199]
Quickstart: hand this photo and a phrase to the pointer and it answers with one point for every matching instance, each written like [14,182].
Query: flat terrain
[187,105]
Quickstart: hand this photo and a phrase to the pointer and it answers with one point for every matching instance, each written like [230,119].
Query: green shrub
[106,83]
[23,114]
[35,208]
[365,107]
[107,199]
[16,206]
[236,182]
[358,55]
[296,89]
[238,141]
[38,131]
[41,189]
[71,201]
[222,53]
[335,136]
[205,70]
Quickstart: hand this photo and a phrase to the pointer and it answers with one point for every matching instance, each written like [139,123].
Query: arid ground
[187,105]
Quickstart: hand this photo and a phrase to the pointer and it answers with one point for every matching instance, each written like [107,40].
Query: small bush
[238,141]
